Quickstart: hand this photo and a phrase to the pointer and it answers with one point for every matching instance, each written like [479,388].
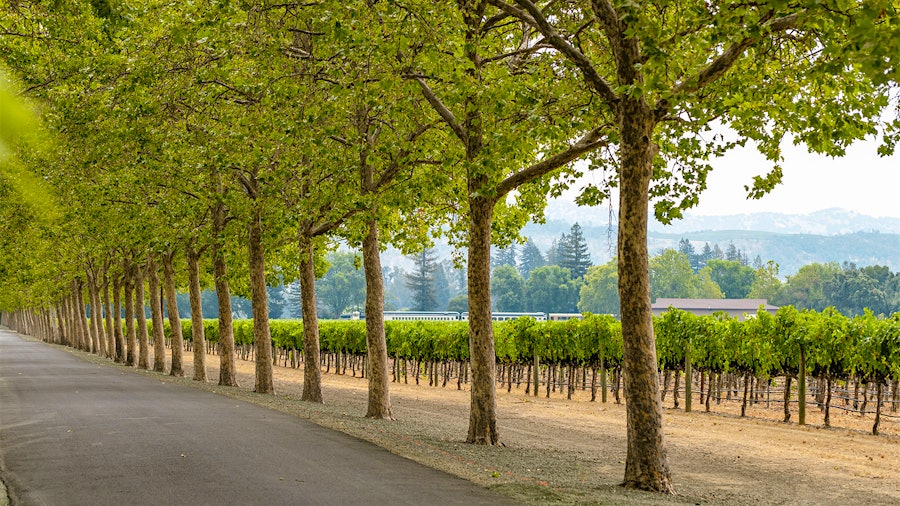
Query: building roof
[748,305]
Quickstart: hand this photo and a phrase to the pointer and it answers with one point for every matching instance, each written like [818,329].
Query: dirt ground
[573,452]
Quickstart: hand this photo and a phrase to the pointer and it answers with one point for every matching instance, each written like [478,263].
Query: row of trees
[242,138]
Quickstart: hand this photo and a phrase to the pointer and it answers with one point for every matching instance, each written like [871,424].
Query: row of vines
[715,352]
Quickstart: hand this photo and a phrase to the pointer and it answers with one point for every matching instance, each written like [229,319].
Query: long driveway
[72,432]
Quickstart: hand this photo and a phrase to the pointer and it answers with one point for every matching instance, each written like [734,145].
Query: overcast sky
[861,182]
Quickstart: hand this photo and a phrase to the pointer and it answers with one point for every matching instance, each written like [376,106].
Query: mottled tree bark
[174,317]
[97,317]
[130,339]
[483,412]
[878,394]
[108,320]
[787,398]
[262,340]
[312,375]
[646,464]
[117,320]
[156,314]
[197,332]
[87,343]
[227,371]
[76,318]
[141,316]
[61,322]
[376,344]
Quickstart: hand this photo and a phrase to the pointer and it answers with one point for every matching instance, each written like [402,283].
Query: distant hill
[832,235]
[825,222]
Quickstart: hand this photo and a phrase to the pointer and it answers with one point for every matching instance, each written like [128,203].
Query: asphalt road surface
[72,432]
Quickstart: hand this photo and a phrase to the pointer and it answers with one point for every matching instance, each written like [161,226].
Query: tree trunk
[82,319]
[801,389]
[895,395]
[141,315]
[131,339]
[878,392]
[675,388]
[787,399]
[603,379]
[227,368]
[97,317]
[117,323]
[646,463]
[828,401]
[61,322]
[94,322]
[156,313]
[74,324]
[174,317]
[379,406]
[746,389]
[110,331]
[198,335]
[483,411]
[312,375]
[262,339]
[688,380]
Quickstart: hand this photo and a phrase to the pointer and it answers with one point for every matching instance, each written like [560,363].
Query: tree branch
[442,110]
[395,167]
[725,61]
[587,143]
[534,17]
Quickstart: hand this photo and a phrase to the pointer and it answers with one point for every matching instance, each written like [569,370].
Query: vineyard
[851,364]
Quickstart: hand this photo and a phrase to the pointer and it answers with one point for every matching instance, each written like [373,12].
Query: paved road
[72,432]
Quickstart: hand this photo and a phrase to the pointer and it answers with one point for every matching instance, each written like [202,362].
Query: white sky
[861,181]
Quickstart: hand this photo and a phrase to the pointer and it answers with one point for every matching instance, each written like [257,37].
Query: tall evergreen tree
[717,253]
[573,252]
[694,258]
[530,258]
[553,251]
[706,254]
[421,282]
[441,286]
[504,256]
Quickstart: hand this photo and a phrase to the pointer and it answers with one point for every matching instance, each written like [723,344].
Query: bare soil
[573,452]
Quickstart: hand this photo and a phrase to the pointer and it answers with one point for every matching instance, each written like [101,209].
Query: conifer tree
[421,282]
[573,252]
[530,258]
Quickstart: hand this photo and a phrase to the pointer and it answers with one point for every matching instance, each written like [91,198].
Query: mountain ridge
[831,221]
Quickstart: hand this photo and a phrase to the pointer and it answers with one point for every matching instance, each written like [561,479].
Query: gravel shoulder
[573,452]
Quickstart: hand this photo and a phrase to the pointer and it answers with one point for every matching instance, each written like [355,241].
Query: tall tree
[806,288]
[765,282]
[551,289]
[600,293]
[508,289]
[343,287]
[734,278]
[573,252]
[504,256]
[530,258]
[487,100]
[421,281]
[758,68]
[693,257]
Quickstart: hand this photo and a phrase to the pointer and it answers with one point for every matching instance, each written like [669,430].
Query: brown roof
[715,304]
